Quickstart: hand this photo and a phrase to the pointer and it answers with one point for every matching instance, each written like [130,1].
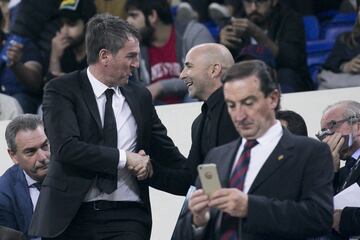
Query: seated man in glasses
[281,30]
[340,126]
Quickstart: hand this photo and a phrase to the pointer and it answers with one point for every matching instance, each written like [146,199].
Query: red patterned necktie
[229,224]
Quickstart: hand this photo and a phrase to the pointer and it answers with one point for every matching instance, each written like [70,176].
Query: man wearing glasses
[340,126]
[270,24]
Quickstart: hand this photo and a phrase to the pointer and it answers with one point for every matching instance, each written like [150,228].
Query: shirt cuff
[122,159]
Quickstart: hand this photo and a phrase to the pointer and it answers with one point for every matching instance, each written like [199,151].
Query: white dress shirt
[34,195]
[127,188]
[260,153]
[34,192]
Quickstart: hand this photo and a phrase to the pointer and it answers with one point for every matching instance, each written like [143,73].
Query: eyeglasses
[334,124]
[256,2]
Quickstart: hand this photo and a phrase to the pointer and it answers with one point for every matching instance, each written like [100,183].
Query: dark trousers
[102,220]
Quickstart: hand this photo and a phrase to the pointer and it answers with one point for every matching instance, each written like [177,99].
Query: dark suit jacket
[350,216]
[290,198]
[222,129]
[73,126]
[16,207]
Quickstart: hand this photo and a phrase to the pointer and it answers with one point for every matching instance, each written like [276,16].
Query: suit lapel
[133,103]
[23,194]
[276,159]
[225,165]
[89,97]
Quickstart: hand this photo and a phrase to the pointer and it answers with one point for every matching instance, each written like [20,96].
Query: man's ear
[12,156]
[215,70]
[274,97]
[104,56]
[153,17]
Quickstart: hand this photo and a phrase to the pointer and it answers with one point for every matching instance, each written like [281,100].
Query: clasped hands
[139,164]
[229,200]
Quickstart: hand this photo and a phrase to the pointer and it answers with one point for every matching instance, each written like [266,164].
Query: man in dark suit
[28,147]
[204,66]
[102,127]
[276,185]
[341,119]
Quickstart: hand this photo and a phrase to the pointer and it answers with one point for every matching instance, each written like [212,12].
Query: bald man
[204,67]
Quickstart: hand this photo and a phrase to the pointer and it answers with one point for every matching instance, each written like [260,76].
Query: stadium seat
[213,29]
[312,27]
[317,52]
[340,21]
[332,32]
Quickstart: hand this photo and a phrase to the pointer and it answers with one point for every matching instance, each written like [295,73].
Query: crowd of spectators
[44,41]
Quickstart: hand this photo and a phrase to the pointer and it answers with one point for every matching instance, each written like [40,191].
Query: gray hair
[20,123]
[351,110]
[104,31]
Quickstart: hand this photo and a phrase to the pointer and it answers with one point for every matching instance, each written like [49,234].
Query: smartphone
[209,178]
[12,38]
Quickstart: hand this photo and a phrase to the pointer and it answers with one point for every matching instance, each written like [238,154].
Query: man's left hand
[245,26]
[14,54]
[145,169]
[231,201]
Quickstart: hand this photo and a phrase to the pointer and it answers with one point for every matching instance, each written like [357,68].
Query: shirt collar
[213,99]
[272,133]
[356,154]
[29,180]
[98,87]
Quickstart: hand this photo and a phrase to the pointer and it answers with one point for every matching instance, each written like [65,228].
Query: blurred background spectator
[21,67]
[342,67]
[164,44]
[68,45]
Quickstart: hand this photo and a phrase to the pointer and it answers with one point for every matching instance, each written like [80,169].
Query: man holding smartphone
[341,120]
[275,185]
[269,23]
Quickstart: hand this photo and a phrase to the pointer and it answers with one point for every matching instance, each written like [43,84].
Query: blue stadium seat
[340,20]
[213,29]
[317,52]
[312,27]
[344,18]
[319,47]
[332,32]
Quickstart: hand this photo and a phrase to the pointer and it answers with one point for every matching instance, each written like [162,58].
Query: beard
[260,19]
[76,42]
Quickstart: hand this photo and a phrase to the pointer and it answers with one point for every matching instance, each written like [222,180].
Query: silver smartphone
[209,178]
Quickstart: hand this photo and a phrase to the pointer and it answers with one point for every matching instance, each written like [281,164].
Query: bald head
[204,66]
[214,53]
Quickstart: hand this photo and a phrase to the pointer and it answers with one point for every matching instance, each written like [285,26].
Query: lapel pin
[280,157]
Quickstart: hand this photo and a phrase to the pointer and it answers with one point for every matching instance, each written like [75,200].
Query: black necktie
[350,162]
[108,183]
[37,185]
[110,130]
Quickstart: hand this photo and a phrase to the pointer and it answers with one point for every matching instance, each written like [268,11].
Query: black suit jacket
[73,126]
[350,216]
[222,130]
[290,198]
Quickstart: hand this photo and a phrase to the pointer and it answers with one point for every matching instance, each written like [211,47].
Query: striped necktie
[229,224]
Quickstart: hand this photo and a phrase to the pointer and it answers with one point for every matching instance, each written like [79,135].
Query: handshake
[139,164]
